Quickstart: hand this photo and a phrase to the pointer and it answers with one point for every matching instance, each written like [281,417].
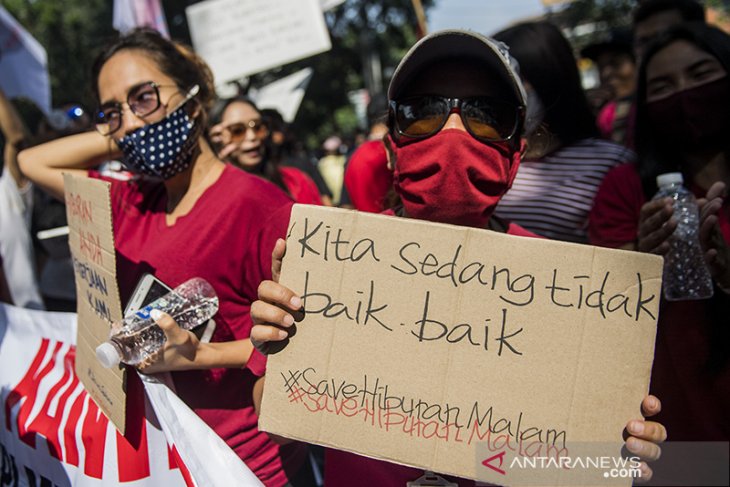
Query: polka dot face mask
[162,149]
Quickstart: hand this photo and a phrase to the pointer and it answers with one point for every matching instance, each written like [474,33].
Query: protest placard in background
[285,94]
[446,348]
[330,4]
[238,38]
[91,238]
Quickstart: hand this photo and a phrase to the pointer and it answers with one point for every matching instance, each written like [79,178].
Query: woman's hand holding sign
[275,312]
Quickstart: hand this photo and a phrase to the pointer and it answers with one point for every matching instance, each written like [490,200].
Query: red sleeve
[614,219]
[518,231]
[367,177]
[301,187]
[259,266]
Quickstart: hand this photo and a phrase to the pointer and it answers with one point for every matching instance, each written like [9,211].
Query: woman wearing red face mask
[682,125]
[454,142]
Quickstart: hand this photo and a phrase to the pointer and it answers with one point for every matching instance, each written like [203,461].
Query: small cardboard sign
[91,238]
[454,349]
[238,38]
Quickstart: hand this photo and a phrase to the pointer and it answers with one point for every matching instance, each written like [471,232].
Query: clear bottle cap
[669,178]
[107,355]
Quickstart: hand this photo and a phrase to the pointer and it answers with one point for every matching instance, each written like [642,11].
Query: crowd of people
[494,133]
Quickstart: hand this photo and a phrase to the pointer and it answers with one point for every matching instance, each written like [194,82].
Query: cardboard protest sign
[238,38]
[91,238]
[457,350]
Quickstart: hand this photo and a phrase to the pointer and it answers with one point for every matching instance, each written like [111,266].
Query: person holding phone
[190,216]
[456,118]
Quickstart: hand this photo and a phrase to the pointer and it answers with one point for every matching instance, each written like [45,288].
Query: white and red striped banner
[52,432]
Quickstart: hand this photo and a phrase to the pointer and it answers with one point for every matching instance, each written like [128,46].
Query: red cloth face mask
[452,178]
[695,118]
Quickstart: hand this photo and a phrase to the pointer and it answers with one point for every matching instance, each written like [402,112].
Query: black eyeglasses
[143,99]
[486,119]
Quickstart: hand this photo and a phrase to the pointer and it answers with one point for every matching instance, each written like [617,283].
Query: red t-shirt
[691,374]
[226,239]
[343,468]
[614,219]
[367,177]
[300,186]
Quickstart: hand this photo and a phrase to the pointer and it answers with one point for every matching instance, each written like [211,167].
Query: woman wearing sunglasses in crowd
[682,125]
[565,161]
[191,215]
[456,120]
[241,136]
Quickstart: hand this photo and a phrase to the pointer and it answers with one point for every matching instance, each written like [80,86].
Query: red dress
[691,374]
[367,177]
[226,239]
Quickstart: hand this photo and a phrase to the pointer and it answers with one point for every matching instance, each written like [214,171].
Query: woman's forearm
[45,164]
[232,355]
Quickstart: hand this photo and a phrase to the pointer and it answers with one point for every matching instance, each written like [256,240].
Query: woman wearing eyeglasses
[456,120]
[190,216]
[240,135]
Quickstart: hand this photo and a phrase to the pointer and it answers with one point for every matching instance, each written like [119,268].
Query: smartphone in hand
[150,288]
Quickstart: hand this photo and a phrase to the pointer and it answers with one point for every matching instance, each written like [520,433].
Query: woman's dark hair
[656,156]
[548,64]
[689,10]
[177,61]
[269,167]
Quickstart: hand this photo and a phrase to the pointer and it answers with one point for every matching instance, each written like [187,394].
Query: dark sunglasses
[142,99]
[238,131]
[486,119]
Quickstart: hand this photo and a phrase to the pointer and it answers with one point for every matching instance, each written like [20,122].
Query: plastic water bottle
[190,304]
[685,273]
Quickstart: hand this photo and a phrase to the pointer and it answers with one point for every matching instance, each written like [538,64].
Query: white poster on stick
[238,38]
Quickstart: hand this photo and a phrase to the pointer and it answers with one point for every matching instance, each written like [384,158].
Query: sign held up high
[238,38]
[447,348]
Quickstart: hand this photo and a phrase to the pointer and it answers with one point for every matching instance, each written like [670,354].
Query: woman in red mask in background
[682,125]
[457,112]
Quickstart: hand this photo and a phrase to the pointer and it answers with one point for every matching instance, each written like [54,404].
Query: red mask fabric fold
[452,178]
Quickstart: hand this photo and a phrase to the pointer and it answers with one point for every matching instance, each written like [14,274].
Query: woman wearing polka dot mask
[197,217]
[163,149]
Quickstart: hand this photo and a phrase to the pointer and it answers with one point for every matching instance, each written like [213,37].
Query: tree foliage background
[73,31]
[362,31]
